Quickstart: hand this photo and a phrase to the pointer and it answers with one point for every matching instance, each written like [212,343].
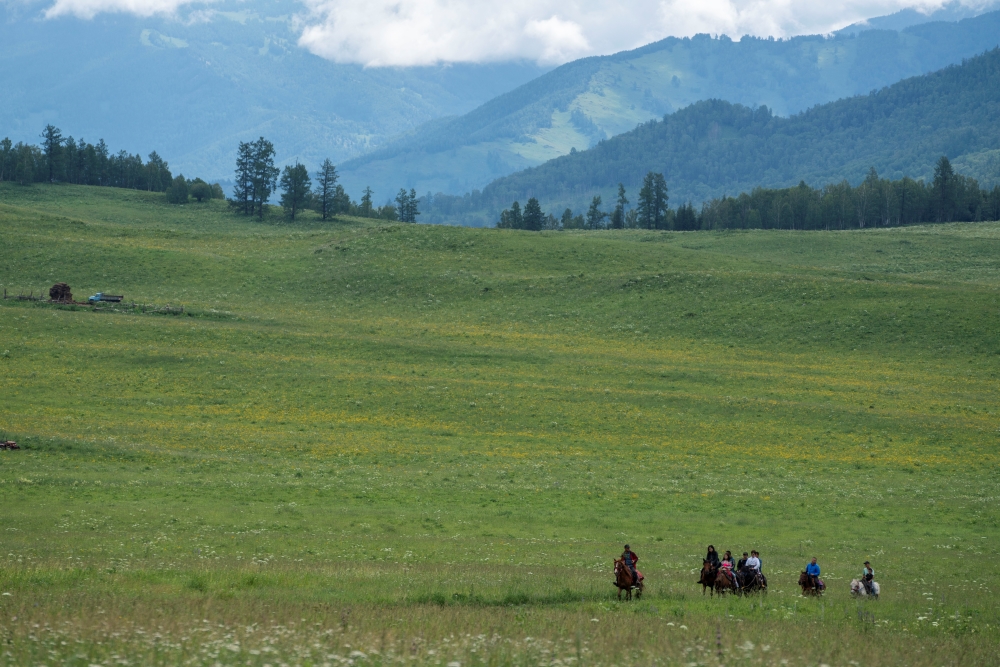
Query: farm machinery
[101,297]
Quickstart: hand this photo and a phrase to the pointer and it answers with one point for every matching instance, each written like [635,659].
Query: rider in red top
[631,559]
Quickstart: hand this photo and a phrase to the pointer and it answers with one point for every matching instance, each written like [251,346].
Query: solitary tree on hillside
[534,219]
[51,144]
[296,185]
[326,187]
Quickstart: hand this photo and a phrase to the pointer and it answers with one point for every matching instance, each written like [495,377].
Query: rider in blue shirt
[812,569]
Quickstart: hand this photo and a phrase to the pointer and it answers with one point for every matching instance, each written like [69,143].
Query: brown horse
[708,575]
[624,582]
[724,582]
[809,587]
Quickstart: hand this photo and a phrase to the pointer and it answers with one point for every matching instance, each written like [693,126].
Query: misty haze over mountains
[193,90]
[585,101]
[192,86]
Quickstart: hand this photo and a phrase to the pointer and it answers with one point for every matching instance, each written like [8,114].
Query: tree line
[258,178]
[60,159]
[875,202]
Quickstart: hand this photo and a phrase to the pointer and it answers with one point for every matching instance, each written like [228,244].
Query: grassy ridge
[405,433]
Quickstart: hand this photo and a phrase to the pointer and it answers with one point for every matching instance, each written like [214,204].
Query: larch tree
[595,216]
[52,141]
[534,219]
[296,186]
[326,188]
[367,210]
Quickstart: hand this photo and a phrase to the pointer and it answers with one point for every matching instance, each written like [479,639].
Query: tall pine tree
[326,188]
[296,185]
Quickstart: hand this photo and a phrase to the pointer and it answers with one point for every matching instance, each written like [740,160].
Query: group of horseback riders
[743,575]
[739,576]
[811,582]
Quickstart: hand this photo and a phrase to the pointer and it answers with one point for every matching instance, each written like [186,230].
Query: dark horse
[752,581]
[810,587]
[624,582]
[708,576]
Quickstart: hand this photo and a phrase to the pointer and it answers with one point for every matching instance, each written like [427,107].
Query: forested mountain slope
[194,85]
[714,147]
[582,102]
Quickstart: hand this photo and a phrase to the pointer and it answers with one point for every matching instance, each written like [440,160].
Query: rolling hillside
[428,442]
[713,148]
[582,102]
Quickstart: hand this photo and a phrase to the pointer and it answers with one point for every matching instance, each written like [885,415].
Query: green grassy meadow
[370,443]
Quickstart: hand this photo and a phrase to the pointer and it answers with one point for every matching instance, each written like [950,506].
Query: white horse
[858,589]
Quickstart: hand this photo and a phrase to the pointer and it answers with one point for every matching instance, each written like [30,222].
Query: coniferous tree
[366,203]
[6,158]
[567,219]
[157,172]
[403,205]
[296,184]
[24,170]
[413,201]
[653,201]
[944,190]
[326,188]
[264,174]
[243,190]
[686,219]
[618,215]
[595,216]
[534,219]
[51,145]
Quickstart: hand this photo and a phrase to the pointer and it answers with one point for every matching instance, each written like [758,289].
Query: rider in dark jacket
[631,559]
[713,557]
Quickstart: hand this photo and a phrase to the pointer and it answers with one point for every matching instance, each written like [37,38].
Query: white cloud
[423,32]
[88,9]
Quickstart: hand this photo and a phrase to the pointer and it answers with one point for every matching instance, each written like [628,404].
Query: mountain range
[713,148]
[583,102]
[192,85]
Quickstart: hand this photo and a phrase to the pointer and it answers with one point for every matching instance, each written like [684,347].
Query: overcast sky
[423,32]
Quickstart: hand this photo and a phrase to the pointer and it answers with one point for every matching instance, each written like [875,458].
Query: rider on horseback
[741,564]
[867,577]
[713,557]
[631,559]
[812,569]
[728,566]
